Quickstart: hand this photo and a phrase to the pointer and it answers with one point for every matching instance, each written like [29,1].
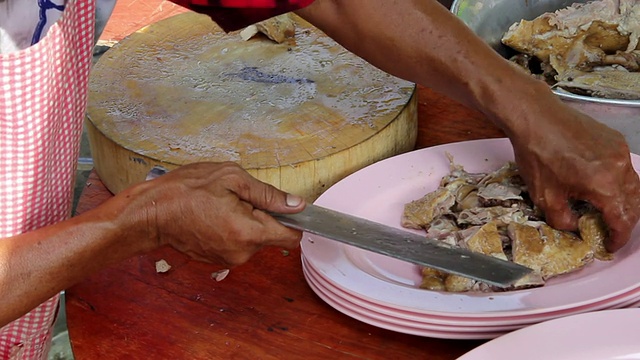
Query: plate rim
[495,144]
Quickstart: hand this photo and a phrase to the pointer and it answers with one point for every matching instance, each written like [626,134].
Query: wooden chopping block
[300,115]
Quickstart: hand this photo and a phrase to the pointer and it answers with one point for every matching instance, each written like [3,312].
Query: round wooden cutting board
[299,115]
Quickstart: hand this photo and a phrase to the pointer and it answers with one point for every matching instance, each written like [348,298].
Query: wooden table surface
[263,310]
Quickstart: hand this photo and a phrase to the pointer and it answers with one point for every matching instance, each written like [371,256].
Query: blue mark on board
[44,6]
[251,73]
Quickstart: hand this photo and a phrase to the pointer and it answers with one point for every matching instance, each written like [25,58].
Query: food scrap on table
[220,274]
[491,213]
[162,266]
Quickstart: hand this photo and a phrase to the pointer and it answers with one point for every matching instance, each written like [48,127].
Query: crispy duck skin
[512,229]
[418,214]
[547,251]
[593,230]
[598,38]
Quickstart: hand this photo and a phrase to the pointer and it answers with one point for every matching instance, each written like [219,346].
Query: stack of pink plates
[383,291]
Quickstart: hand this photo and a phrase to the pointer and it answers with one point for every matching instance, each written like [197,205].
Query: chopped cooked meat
[610,84]
[499,191]
[511,230]
[420,213]
[590,37]
[507,175]
[432,279]
[278,29]
[457,283]
[593,230]
[547,251]
[487,241]
[481,215]
[442,226]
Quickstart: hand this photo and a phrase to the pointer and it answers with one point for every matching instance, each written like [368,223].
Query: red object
[233,15]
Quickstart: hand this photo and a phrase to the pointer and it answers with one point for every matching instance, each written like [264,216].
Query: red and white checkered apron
[43,92]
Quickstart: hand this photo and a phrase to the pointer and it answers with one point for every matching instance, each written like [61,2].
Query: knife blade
[403,245]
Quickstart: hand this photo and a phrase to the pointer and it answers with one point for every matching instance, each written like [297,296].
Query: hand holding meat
[564,156]
[213,212]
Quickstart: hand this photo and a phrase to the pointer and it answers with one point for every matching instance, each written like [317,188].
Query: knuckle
[230,171]
[625,219]
[604,181]
[632,185]
[229,166]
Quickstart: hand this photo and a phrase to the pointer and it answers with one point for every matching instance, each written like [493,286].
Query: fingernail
[293,200]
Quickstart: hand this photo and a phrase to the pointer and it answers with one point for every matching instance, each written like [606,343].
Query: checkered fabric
[43,91]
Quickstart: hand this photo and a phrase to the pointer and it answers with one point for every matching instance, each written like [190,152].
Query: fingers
[570,156]
[561,217]
[256,228]
[620,211]
[276,234]
[619,233]
[221,202]
[257,197]
[262,195]
[555,205]
[615,210]
[619,222]
[250,232]
[558,213]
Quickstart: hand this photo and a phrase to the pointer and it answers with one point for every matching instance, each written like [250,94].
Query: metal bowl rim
[565,94]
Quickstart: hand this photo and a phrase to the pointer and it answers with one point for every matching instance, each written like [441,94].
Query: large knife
[397,243]
[404,245]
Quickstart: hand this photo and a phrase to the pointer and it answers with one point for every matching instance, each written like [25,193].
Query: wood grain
[442,120]
[300,115]
[262,310]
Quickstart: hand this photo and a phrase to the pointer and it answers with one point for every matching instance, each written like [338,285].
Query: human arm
[208,211]
[563,154]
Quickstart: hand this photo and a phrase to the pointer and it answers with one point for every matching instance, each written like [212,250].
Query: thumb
[267,197]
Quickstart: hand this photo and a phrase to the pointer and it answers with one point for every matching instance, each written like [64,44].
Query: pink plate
[379,192]
[421,328]
[462,323]
[380,322]
[602,335]
[416,322]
